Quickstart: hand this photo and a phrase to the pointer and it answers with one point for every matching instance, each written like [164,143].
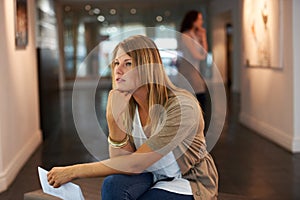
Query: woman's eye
[116,63]
[128,64]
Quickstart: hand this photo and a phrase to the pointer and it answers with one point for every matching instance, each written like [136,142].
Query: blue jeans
[133,187]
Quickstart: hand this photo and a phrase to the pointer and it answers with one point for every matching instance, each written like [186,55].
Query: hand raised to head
[116,105]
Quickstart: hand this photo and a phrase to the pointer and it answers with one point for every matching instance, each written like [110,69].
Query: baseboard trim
[296,145]
[275,135]
[18,161]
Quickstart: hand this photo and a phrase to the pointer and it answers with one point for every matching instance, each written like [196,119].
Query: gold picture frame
[263,33]
[21,24]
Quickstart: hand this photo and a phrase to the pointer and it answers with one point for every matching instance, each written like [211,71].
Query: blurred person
[156,150]
[193,47]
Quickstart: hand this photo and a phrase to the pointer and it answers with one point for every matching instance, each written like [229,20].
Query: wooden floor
[248,165]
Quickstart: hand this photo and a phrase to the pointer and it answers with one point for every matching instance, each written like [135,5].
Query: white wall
[19,117]
[296,43]
[219,9]
[267,95]
[219,42]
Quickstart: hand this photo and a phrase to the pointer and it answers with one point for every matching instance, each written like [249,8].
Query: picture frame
[263,33]
[21,24]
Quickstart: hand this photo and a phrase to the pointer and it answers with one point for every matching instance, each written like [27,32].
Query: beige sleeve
[182,120]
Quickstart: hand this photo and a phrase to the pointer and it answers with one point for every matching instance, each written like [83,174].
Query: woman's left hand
[57,176]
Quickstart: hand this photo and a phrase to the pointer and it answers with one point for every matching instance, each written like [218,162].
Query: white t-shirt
[188,65]
[163,168]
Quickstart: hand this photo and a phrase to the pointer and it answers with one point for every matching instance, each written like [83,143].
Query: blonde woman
[156,143]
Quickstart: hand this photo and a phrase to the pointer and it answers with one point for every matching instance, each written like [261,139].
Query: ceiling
[127,11]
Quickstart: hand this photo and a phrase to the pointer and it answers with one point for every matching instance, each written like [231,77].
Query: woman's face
[126,76]
[199,21]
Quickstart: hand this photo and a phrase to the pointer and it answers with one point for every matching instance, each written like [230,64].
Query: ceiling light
[162,27]
[112,11]
[101,18]
[159,18]
[67,8]
[133,11]
[96,11]
[91,12]
[87,7]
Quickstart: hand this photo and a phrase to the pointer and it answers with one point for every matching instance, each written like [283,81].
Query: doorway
[229,49]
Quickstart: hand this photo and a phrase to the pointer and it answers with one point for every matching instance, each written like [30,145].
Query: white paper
[68,191]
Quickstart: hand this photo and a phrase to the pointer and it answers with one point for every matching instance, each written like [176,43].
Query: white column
[296,50]
[2,64]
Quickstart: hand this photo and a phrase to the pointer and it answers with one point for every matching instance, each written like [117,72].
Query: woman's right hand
[58,176]
[116,105]
[201,35]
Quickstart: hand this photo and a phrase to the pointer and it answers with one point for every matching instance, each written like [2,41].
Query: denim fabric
[133,187]
[126,187]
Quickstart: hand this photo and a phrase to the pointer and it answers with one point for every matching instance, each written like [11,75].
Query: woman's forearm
[58,176]
[203,43]
[96,169]
[117,102]
[114,152]
[133,163]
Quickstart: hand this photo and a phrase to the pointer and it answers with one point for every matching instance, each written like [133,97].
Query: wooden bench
[39,195]
[91,189]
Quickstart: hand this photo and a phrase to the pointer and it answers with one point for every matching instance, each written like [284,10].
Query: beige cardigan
[181,131]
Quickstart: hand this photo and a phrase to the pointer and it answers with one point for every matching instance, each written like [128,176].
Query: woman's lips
[119,80]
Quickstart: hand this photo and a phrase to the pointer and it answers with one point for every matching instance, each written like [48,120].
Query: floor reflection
[248,164]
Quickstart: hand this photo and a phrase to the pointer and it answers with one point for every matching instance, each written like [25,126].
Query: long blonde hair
[145,55]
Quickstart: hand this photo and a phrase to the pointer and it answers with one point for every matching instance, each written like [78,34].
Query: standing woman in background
[193,47]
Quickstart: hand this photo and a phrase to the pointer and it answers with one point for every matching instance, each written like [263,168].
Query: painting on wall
[21,24]
[263,33]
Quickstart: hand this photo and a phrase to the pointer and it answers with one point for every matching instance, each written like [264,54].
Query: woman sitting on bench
[156,142]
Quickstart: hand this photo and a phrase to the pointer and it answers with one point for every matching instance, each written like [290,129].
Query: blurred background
[257,154]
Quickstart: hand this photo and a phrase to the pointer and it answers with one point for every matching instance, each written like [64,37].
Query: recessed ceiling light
[159,18]
[113,11]
[87,7]
[133,11]
[96,11]
[101,18]
[67,8]
[162,27]
[91,12]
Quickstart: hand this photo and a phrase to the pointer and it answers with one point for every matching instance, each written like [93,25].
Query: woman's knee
[111,187]
[125,186]
[110,183]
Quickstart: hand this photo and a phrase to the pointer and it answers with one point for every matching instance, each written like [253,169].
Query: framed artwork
[21,24]
[263,33]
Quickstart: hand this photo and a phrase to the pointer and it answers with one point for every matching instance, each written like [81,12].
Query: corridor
[248,164]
